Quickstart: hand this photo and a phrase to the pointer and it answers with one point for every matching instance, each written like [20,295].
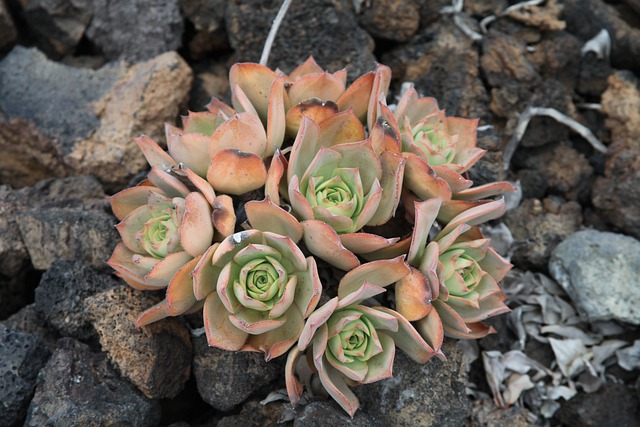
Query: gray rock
[225,379]
[432,394]
[328,413]
[58,25]
[614,405]
[21,357]
[52,234]
[45,106]
[66,116]
[156,358]
[136,30]
[206,15]
[17,278]
[14,262]
[538,226]
[593,76]
[28,320]
[490,167]
[585,18]
[77,192]
[61,293]
[80,388]
[8,32]
[58,120]
[255,414]
[599,271]
[318,28]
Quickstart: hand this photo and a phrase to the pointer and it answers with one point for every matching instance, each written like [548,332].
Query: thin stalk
[272,33]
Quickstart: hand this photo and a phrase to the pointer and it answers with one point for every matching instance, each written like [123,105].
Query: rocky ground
[79,79]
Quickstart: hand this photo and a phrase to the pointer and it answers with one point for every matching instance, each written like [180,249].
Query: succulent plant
[307,91]
[352,343]
[258,288]
[457,273]
[333,162]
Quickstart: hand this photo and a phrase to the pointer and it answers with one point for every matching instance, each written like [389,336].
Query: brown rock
[538,226]
[565,170]
[557,56]
[58,25]
[442,63]
[546,17]
[27,155]
[485,8]
[148,95]
[391,19]
[59,120]
[485,413]
[156,358]
[430,11]
[504,59]
[616,196]
[621,105]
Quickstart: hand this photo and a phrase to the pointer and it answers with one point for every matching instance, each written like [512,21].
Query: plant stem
[274,30]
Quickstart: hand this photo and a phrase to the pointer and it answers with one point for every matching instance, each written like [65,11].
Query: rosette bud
[457,273]
[352,343]
[258,288]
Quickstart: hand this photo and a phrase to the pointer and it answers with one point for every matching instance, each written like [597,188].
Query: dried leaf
[572,332]
[515,386]
[629,358]
[571,355]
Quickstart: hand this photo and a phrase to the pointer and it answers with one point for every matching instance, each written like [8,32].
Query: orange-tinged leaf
[413,296]
[236,172]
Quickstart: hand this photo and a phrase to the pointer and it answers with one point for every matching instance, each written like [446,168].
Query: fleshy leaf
[220,331]
[266,216]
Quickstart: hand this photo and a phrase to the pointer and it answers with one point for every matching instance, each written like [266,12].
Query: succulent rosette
[352,343]
[439,149]
[165,228]
[307,91]
[455,276]
[229,150]
[336,184]
[258,288]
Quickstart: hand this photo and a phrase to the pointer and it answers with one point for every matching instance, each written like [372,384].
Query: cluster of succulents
[304,173]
